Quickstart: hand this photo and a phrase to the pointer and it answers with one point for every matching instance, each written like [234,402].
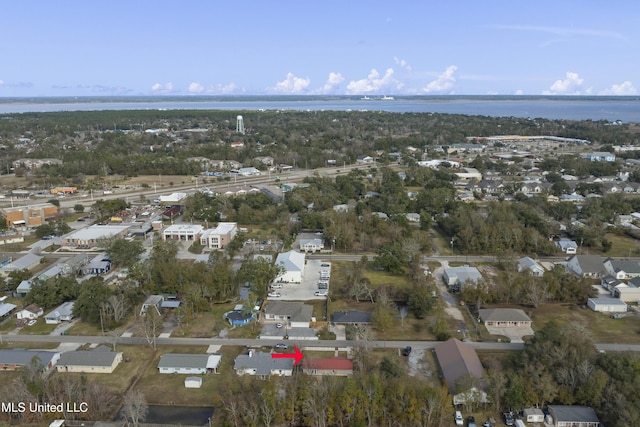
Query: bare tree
[151,324]
[135,408]
[118,306]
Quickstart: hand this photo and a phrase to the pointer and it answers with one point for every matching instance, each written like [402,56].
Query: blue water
[625,109]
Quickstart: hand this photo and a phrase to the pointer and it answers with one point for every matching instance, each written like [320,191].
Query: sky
[348,47]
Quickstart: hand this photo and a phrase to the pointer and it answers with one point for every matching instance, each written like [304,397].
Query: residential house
[588,266]
[461,276]
[239,317]
[607,305]
[622,269]
[293,264]
[296,314]
[99,264]
[262,365]
[352,317]
[174,363]
[311,245]
[412,217]
[25,262]
[629,292]
[459,361]
[334,366]
[11,360]
[6,308]
[573,416]
[531,265]
[533,415]
[63,313]
[364,159]
[173,198]
[219,237]
[567,246]
[30,312]
[95,362]
[504,317]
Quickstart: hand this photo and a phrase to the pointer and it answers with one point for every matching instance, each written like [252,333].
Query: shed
[533,415]
[193,382]
[607,305]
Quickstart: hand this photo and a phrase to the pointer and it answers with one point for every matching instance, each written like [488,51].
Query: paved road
[418,345]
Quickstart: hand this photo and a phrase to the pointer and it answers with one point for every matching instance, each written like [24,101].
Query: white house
[188,363]
[183,232]
[586,265]
[529,264]
[30,312]
[567,246]
[311,245]
[64,313]
[262,365]
[622,269]
[364,159]
[607,305]
[459,276]
[294,313]
[293,264]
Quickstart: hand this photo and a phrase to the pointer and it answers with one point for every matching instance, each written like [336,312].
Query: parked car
[274,294]
[32,322]
[471,421]
[278,325]
[281,346]
[508,418]
[276,286]
[406,351]
[321,293]
[459,419]
[323,284]
[325,264]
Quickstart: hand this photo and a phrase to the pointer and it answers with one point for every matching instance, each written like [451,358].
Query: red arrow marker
[298,356]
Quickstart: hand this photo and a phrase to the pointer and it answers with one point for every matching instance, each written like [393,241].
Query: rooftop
[95,232]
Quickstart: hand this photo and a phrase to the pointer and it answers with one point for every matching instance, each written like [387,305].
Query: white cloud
[291,85]
[374,83]
[444,83]
[226,89]
[195,88]
[331,85]
[518,92]
[160,88]
[568,86]
[1,82]
[622,89]
[402,63]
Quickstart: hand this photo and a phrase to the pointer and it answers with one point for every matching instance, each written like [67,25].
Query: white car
[459,419]
[276,286]
[31,322]
[321,293]
[273,294]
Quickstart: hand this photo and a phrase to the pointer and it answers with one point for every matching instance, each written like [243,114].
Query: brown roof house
[462,371]
[30,312]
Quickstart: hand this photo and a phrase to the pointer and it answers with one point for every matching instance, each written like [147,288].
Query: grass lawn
[622,246]
[162,389]
[84,329]
[602,328]
[7,343]
[40,328]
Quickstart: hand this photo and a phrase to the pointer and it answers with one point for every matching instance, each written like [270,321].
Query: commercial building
[92,237]
[219,237]
[30,216]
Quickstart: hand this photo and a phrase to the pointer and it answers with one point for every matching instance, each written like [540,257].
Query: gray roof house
[622,269]
[89,361]
[296,313]
[459,276]
[64,312]
[504,317]
[262,365]
[574,416]
[568,246]
[6,308]
[590,266]
[154,301]
[458,360]
[10,360]
[173,363]
[529,264]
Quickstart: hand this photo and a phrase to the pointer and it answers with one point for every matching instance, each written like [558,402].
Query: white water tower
[240,125]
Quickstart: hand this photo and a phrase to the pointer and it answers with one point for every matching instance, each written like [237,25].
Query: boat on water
[388,98]
[381,98]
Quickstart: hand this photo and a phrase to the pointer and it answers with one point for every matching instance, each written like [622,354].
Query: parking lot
[305,290]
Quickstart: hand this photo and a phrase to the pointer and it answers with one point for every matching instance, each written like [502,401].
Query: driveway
[515,334]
